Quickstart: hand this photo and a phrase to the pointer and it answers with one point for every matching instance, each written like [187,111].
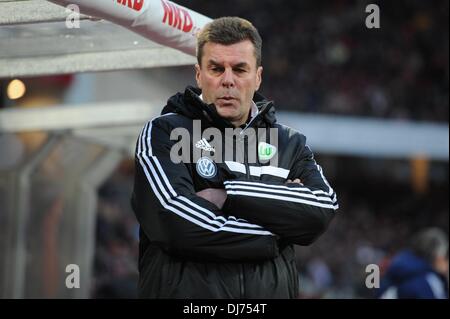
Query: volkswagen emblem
[206,167]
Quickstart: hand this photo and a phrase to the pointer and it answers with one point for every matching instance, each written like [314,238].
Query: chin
[228,110]
[226,113]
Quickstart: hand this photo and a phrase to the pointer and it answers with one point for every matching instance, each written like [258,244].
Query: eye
[240,71]
[217,69]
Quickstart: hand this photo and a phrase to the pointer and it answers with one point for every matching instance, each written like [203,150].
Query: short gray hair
[227,31]
[430,243]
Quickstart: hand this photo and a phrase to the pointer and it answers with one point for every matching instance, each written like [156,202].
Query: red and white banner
[161,21]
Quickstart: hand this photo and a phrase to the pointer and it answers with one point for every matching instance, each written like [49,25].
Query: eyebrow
[238,65]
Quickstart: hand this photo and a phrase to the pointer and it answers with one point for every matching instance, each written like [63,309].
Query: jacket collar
[191,105]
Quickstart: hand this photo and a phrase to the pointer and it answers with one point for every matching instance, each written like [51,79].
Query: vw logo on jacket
[206,167]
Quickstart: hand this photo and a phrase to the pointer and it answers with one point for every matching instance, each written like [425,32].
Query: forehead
[230,54]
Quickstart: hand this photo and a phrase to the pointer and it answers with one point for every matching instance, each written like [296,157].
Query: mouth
[227,98]
[226,101]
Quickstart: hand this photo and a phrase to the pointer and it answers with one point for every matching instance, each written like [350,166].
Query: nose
[228,78]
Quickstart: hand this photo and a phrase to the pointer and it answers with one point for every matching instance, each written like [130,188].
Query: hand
[217,196]
[295,181]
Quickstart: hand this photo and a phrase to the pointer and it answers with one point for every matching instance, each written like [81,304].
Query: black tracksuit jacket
[191,249]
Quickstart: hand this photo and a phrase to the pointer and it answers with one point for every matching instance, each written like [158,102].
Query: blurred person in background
[421,271]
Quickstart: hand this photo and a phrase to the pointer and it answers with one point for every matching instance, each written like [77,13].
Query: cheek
[209,81]
[250,87]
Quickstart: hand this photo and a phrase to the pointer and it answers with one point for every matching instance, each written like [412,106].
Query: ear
[197,75]
[258,77]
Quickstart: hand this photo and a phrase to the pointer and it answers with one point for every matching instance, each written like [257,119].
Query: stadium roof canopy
[35,41]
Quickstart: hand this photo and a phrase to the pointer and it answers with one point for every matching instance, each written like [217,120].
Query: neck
[252,112]
[240,122]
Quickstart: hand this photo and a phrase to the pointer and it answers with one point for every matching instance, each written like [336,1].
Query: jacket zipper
[247,167]
[245,140]
[247,170]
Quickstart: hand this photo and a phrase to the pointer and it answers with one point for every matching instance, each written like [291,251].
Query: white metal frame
[34,12]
